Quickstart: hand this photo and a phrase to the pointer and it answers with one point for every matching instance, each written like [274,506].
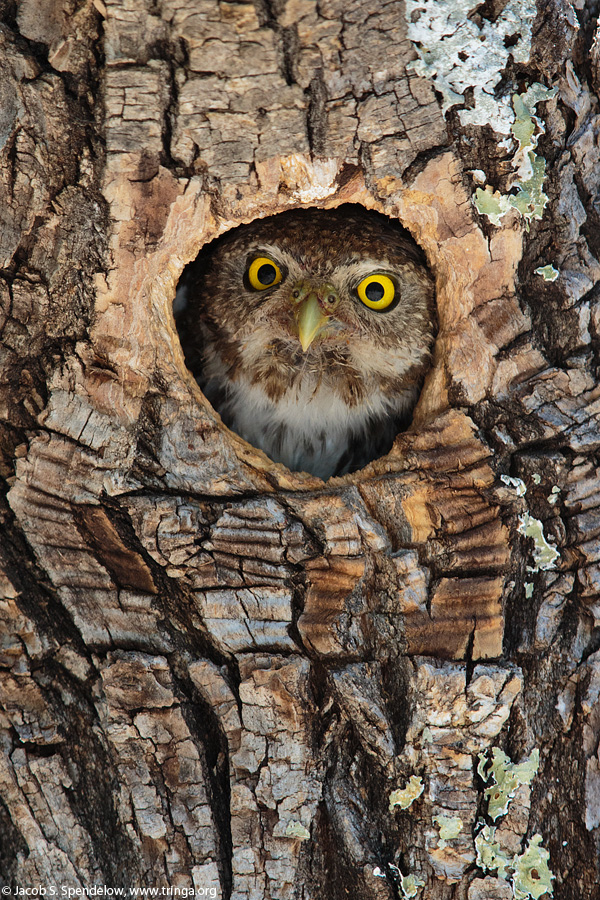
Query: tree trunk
[215,673]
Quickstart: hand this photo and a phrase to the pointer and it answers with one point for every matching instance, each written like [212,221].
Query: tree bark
[214,673]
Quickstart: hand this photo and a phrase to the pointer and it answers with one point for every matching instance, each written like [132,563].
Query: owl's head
[343,289]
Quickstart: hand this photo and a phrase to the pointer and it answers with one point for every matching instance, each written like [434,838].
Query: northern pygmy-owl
[309,332]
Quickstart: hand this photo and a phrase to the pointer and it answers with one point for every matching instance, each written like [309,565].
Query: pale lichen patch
[529,169]
[544,554]
[517,483]
[409,885]
[527,872]
[297,830]
[527,127]
[506,777]
[490,856]
[458,54]
[492,204]
[532,876]
[405,797]
[553,495]
[450,827]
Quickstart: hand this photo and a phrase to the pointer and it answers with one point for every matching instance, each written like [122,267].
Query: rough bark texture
[214,672]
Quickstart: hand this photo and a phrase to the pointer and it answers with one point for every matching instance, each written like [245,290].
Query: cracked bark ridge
[214,672]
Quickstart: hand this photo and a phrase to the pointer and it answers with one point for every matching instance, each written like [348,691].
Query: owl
[310,332]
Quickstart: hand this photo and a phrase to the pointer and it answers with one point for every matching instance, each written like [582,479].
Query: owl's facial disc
[313,307]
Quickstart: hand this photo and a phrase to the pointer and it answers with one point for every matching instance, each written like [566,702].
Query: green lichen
[529,199]
[553,496]
[458,52]
[523,128]
[529,873]
[532,876]
[548,273]
[492,204]
[527,128]
[506,777]
[490,857]
[409,885]
[528,589]
[449,826]
[297,830]
[517,483]
[544,554]
[405,797]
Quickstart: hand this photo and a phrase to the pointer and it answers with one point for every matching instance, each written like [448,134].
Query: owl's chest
[309,427]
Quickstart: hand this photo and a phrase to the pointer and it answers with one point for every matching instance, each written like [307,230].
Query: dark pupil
[374,291]
[266,274]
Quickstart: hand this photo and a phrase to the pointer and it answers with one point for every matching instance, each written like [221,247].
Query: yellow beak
[311,319]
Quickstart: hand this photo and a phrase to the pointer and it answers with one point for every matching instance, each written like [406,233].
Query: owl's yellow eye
[377,291]
[263,273]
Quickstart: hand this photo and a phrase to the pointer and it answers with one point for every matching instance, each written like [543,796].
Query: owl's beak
[311,320]
[310,313]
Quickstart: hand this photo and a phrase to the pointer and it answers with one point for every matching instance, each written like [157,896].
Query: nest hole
[310,333]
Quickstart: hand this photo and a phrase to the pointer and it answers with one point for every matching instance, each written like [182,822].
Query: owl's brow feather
[390,258]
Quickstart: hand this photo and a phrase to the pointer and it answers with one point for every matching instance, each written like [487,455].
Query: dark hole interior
[310,333]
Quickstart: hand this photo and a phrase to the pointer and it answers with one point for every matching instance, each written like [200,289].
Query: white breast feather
[310,427]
